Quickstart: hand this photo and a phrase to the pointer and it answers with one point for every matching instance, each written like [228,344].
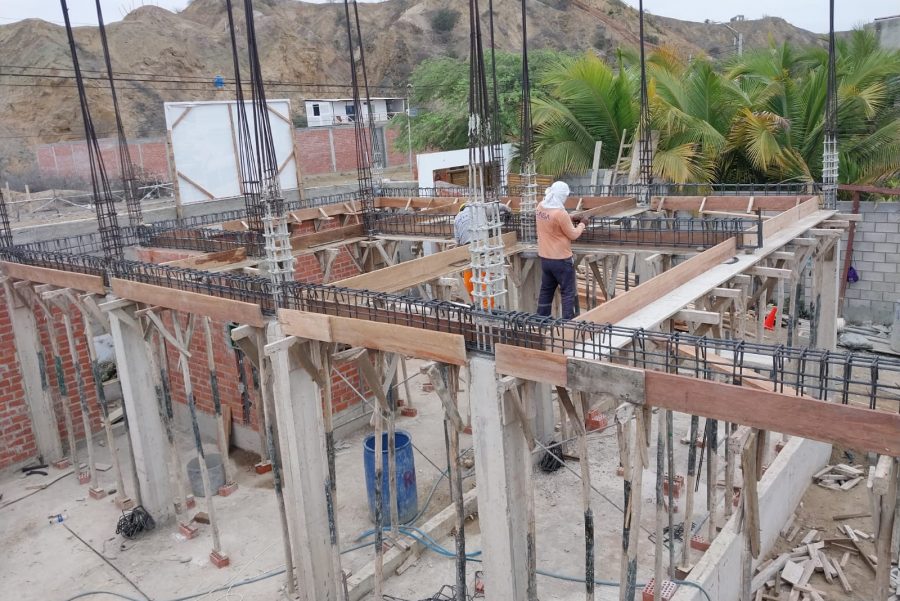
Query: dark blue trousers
[561,273]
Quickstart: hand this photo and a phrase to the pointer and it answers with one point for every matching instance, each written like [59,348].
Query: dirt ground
[44,562]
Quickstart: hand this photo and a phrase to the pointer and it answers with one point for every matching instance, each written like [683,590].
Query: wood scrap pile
[839,477]
[792,572]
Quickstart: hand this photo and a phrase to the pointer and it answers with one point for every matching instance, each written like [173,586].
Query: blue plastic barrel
[407,497]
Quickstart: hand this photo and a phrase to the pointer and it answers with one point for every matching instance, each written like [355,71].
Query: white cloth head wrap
[555,197]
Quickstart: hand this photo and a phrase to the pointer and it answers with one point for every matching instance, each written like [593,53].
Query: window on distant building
[315,109]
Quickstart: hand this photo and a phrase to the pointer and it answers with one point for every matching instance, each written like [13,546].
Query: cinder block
[124,503]
[870,295]
[263,467]
[886,267]
[886,227]
[190,502]
[84,477]
[409,412]
[875,237]
[427,387]
[874,257]
[97,493]
[886,247]
[62,464]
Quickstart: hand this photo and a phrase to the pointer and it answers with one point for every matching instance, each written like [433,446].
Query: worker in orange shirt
[555,233]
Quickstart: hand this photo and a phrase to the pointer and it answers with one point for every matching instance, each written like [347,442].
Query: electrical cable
[107,561]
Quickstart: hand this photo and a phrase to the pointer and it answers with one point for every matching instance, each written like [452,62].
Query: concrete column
[536,395]
[148,438]
[301,433]
[503,468]
[31,371]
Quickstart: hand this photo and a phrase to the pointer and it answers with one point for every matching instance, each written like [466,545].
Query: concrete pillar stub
[301,434]
[503,467]
[148,436]
[37,396]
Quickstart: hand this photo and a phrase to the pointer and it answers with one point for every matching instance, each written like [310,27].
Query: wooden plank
[220,309]
[55,277]
[392,338]
[725,203]
[637,298]
[313,326]
[605,210]
[418,271]
[850,426]
[331,210]
[326,236]
[210,260]
[531,364]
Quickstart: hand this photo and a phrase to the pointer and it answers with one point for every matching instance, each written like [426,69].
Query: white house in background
[341,111]
[451,167]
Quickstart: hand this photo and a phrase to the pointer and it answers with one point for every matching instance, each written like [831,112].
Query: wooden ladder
[622,160]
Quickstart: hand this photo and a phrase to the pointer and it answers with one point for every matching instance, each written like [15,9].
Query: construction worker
[555,232]
[462,232]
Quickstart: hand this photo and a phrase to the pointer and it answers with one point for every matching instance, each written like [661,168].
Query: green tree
[440,93]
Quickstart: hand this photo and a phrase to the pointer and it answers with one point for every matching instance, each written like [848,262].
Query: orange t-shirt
[555,232]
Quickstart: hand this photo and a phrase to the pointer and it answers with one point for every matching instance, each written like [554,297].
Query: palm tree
[759,119]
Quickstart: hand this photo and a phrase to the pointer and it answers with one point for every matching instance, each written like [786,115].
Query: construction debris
[796,569]
[839,477]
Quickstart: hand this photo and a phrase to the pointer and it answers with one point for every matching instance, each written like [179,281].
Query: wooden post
[182,496]
[729,475]
[690,483]
[712,475]
[82,399]
[634,503]
[61,386]
[885,490]
[183,338]
[122,499]
[750,511]
[660,504]
[221,437]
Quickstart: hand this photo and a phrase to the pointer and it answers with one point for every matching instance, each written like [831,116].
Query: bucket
[216,473]
[407,497]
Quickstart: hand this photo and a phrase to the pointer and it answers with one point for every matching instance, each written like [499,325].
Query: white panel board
[203,136]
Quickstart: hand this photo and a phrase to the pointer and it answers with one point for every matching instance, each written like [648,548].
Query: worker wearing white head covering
[556,195]
[555,233]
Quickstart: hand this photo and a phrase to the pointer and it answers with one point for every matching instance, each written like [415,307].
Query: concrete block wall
[876,258]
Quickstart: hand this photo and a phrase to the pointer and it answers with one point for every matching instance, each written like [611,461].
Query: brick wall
[17,442]
[876,258]
[314,146]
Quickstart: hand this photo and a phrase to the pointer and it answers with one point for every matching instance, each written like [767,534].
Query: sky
[808,14]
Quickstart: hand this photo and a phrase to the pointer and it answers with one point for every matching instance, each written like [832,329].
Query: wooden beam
[392,338]
[418,271]
[725,203]
[56,277]
[771,272]
[210,260]
[323,237]
[605,210]
[220,309]
[850,426]
[655,288]
[531,364]
[697,316]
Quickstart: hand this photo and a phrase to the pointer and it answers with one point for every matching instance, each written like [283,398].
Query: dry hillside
[303,45]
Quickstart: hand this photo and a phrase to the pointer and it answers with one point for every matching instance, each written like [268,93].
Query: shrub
[444,20]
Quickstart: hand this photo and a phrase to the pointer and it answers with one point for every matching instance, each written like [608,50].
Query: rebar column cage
[6,238]
[645,152]
[830,157]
